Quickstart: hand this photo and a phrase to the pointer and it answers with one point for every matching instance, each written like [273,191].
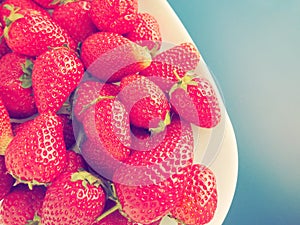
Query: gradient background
[253,49]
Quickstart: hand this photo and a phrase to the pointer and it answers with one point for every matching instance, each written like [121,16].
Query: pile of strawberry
[97,70]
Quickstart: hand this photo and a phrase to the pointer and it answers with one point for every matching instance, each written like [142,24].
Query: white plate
[216,148]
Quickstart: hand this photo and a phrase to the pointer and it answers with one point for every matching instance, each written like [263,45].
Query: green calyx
[27,72]
[30,183]
[86,178]
[35,221]
[184,82]
[95,101]
[13,16]
[162,124]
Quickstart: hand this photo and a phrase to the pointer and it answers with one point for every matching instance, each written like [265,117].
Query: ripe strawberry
[56,73]
[15,85]
[75,19]
[6,180]
[180,58]
[73,198]
[151,182]
[74,162]
[108,126]
[31,32]
[195,100]
[48,4]
[146,32]
[117,218]
[199,201]
[21,205]
[17,127]
[89,91]
[6,134]
[148,106]
[68,132]
[110,56]
[4,49]
[116,16]
[37,154]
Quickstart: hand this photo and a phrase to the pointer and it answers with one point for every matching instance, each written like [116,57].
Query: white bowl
[216,147]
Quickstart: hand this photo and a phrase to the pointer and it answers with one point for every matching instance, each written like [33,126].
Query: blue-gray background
[253,49]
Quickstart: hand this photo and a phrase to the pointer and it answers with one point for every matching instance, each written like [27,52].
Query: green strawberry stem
[86,178]
[183,82]
[108,212]
[29,183]
[161,125]
[35,221]
[95,101]
[13,16]
[26,76]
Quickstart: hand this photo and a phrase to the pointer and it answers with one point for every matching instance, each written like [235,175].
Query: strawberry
[48,4]
[74,18]
[199,201]
[117,218]
[110,56]
[15,85]
[118,16]
[6,180]
[21,205]
[180,58]
[6,134]
[148,186]
[37,154]
[146,32]
[69,137]
[147,104]
[17,127]
[107,126]
[74,162]
[73,198]
[89,91]
[4,49]
[56,73]
[195,100]
[31,32]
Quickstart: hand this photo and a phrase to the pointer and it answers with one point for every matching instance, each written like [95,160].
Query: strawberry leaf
[26,76]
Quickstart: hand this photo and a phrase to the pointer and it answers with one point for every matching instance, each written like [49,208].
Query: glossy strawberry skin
[87,92]
[71,203]
[33,34]
[114,16]
[110,56]
[6,180]
[179,58]
[55,75]
[151,182]
[4,49]
[21,204]
[147,104]
[74,18]
[37,152]
[74,162]
[6,134]
[146,32]
[19,101]
[199,201]
[198,104]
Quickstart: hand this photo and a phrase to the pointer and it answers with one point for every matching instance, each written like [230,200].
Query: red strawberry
[6,180]
[199,201]
[147,104]
[150,183]
[73,198]
[15,85]
[117,218]
[48,4]
[22,205]
[69,137]
[195,100]
[117,16]
[108,127]
[89,91]
[37,154]
[56,73]
[146,32]
[110,56]
[180,58]
[31,32]
[6,134]
[17,127]
[22,4]
[74,18]
[74,162]
[4,49]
